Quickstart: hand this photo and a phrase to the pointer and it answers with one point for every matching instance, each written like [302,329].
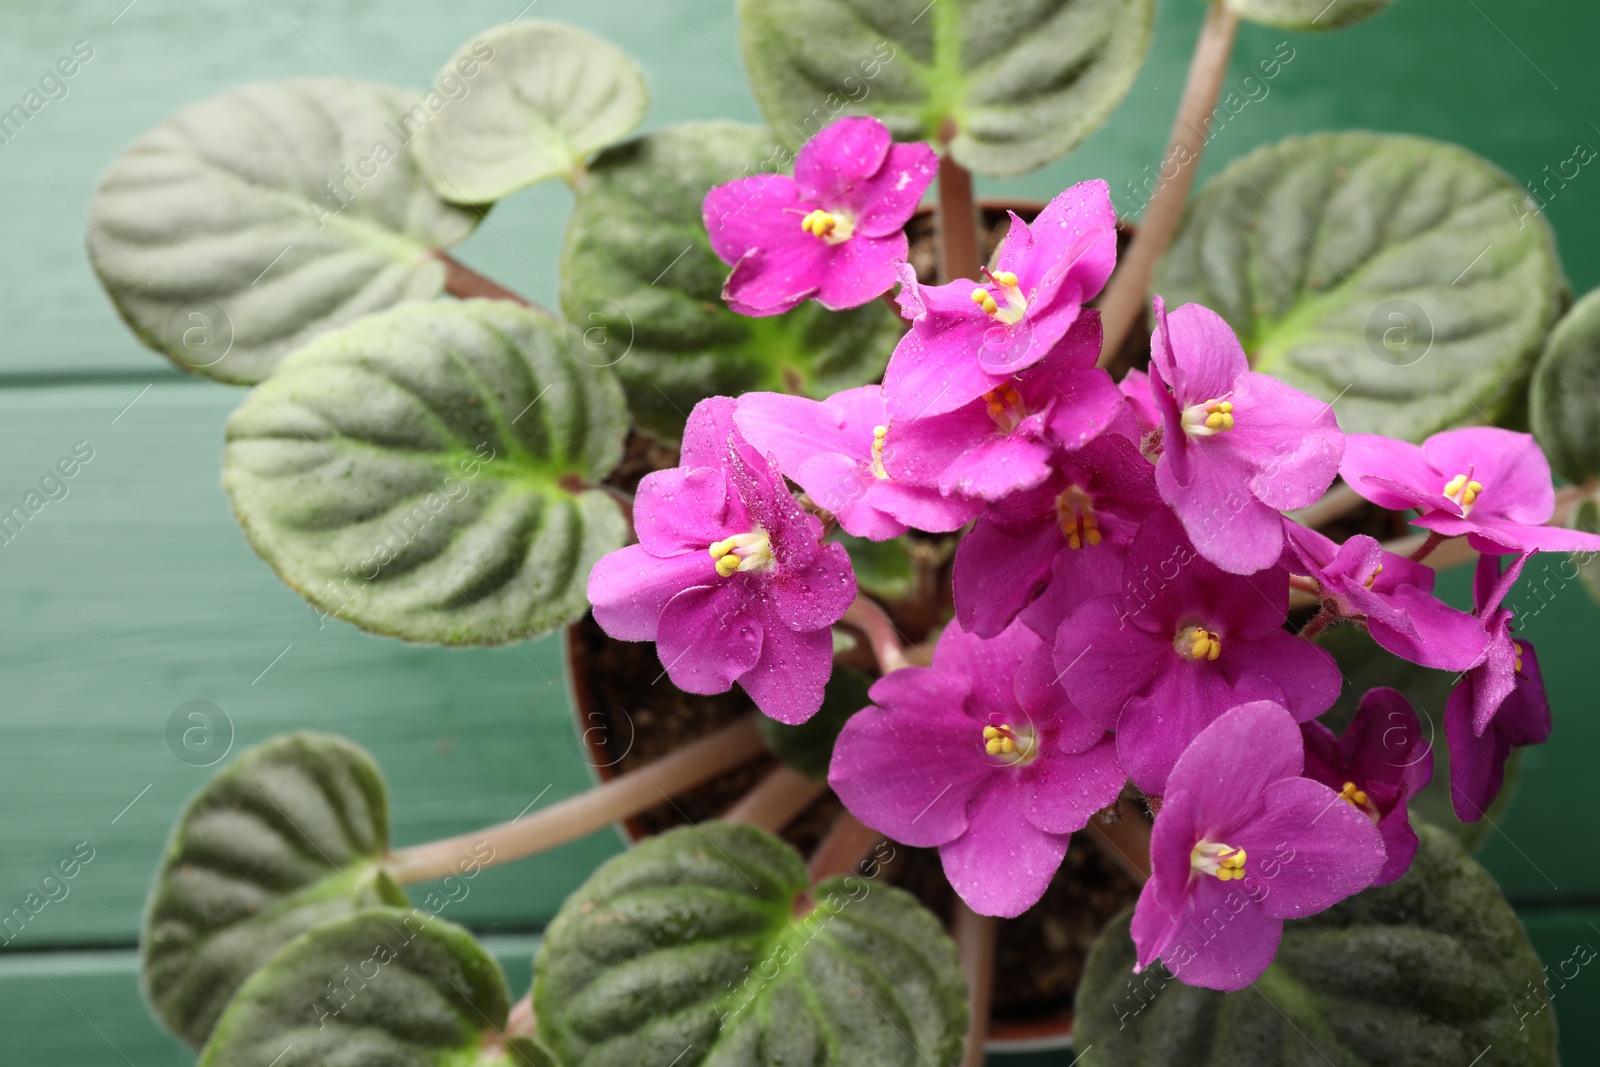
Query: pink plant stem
[959,256]
[1305,584]
[777,800]
[624,796]
[866,616]
[1425,549]
[1320,622]
[463,282]
[1129,290]
[975,938]
[1126,841]
[521,1023]
[847,844]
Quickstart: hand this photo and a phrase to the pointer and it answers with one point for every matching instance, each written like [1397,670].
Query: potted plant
[909,644]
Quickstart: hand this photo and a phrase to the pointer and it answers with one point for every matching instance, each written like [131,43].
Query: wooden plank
[136,593]
[84,1008]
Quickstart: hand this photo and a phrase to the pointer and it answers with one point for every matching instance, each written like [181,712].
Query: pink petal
[1105,660]
[1392,474]
[1314,849]
[1074,236]
[1065,789]
[1160,725]
[771,281]
[888,199]
[706,640]
[998,572]
[630,587]
[752,212]
[842,156]
[1223,519]
[1306,673]
[683,510]
[1511,466]
[1226,769]
[1226,940]
[1293,439]
[707,432]
[792,429]
[810,598]
[846,487]
[1003,864]
[1206,357]
[860,270]
[786,682]
[920,507]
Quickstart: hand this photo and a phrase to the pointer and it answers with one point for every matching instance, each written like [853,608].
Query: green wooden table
[136,593]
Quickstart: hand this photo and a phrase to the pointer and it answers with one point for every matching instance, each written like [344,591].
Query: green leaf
[1010,87]
[689,945]
[1564,404]
[1407,279]
[427,472]
[536,100]
[1307,14]
[287,836]
[390,986]
[640,282]
[883,568]
[1365,666]
[1428,972]
[808,747]
[1586,517]
[249,223]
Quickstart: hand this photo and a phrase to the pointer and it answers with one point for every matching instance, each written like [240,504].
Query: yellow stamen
[830,227]
[1463,490]
[982,298]
[1518,646]
[1005,407]
[1195,642]
[879,435]
[1075,514]
[1373,576]
[1007,290]
[743,552]
[1224,862]
[1212,417]
[1018,745]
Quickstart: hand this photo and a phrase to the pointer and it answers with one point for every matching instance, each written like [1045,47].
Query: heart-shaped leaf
[390,986]
[1564,405]
[1307,14]
[527,101]
[690,945]
[640,282]
[1010,87]
[1406,279]
[428,473]
[249,223]
[1428,972]
[285,837]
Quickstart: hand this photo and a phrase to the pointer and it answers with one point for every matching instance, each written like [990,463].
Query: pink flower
[1392,596]
[1237,447]
[1378,764]
[1499,705]
[1043,551]
[729,577]
[833,232]
[834,450]
[968,339]
[1492,485]
[1180,643]
[1243,843]
[1003,440]
[983,756]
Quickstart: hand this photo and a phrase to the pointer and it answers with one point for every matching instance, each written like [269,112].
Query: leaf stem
[1335,504]
[1129,290]
[463,282]
[1424,550]
[777,800]
[866,616]
[1323,619]
[623,796]
[959,256]
[975,938]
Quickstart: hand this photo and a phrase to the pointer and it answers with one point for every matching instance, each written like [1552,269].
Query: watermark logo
[199,733]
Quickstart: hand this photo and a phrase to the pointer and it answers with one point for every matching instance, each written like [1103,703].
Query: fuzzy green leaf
[536,100]
[287,836]
[389,986]
[640,283]
[1406,279]
[424,473]
[250,223]
[1307,14]
[1428,972]
[1011,87]
[1564,404]
[689,946]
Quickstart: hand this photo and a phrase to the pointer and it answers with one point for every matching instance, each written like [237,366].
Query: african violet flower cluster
[1122,591]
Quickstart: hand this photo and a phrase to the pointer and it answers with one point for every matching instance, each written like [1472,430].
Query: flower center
[1075,513]
[1518,646]
[1195,642]
[1373,576]
[1212,417]
[1016,745]
[879,433]
[1005,407]
[1003,300]
[1463,490]
[1223,861]
[1360,801]
[744,552]
[832,227]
